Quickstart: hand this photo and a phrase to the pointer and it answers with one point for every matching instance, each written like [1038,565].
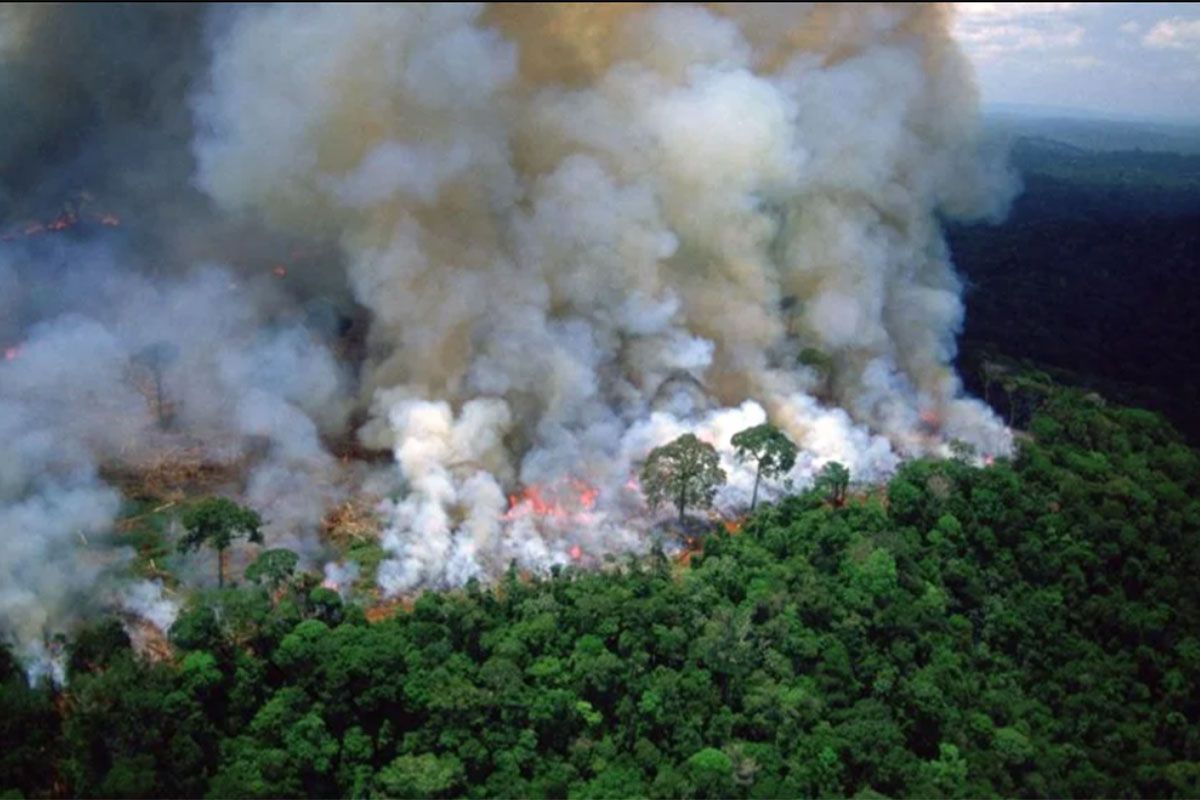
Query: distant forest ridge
[1094,274]
[1096,134]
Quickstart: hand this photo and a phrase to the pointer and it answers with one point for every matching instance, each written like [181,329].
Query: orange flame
[559,501]
[930,420]
[64,221]
[279,271]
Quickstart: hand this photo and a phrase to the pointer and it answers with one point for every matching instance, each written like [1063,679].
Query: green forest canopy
[1025,629]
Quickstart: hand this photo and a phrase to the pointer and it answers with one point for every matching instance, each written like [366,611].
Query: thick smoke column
[582,229]
[570,233]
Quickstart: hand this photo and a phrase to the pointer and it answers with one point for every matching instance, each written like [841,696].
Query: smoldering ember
[420,289]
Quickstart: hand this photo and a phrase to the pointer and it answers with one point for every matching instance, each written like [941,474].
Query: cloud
[1176,33]
[989,31]
[993,41]
[1010,11]
[1110,58]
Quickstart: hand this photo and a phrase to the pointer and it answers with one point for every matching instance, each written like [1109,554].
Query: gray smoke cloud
[583,230]
[243,380]
[114,267]
[515,246]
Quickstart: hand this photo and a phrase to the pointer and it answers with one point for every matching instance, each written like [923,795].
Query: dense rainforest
[1093,276]
[1027,628]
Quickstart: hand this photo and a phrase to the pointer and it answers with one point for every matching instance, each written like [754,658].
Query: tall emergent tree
[687,471]
[834,481]
[769,448]
[216,522]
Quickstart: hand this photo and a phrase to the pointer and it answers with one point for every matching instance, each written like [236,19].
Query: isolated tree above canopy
[770,449]
[216,522]
[686,471]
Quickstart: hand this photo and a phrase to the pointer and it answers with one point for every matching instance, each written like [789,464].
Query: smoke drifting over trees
[572,234]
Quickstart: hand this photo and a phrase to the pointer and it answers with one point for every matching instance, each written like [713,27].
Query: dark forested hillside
[1095,273]
[1025,629]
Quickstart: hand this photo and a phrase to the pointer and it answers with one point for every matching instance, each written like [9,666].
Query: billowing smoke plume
[583,230]
[139,325]
[570,234]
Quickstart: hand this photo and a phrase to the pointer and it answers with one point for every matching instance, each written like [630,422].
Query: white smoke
[583,231]
[101,129]
[70,403]
[147,600]
[51,502]
[578,231]
[450,516]
[340,577]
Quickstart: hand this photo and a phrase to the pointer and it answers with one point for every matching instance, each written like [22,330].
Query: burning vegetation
[561,501]
[79,215]
[462,312]
[352,521]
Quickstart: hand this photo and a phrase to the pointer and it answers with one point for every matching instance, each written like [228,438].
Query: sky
[1120,60]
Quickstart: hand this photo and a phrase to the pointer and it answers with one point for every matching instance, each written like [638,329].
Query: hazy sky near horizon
[1118,59]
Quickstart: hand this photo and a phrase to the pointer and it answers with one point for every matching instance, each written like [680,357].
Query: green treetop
[687,471]
[769,448]
[833,480]
[273,567]
[216,522]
